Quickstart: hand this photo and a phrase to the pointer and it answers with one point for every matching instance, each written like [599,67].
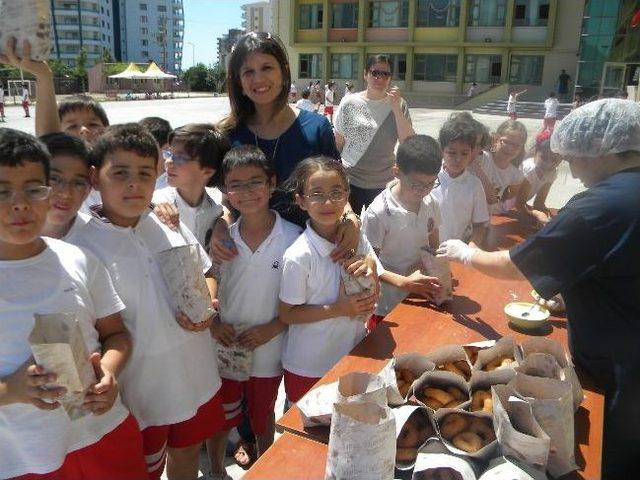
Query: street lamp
[193,53]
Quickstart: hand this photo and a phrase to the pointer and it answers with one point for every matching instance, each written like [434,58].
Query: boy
[195,155]
[460,196]
[43,275]
[2,103]
[26,99]
[171,383]
[82,116]
[160,129]
[403,218]
[262,238]
[70,185]
[512,103]
[550,112]
[304,103]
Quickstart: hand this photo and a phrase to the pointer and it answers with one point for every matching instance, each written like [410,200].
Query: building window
[310,16]
[344,65]
[487,13]
[389,14]
[435,68]
[162,8]
[526,69]
[344,15]
[398,63]
[144,31]
[438,13]
[143,6]
[145,43]
[145,53]
[531,13]
[483,68]
[310,65]
[143,19]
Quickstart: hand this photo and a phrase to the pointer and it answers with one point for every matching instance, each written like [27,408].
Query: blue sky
[204,22]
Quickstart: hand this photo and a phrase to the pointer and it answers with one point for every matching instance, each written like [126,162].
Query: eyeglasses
[36,193]
[78,185]
[176,158]
[246,187]
[420,187]
[332,196]
[377,74]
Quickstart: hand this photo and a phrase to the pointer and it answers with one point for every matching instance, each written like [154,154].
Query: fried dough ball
[498,362]
[407,455]
[409,436]
[405,378]
[468,441]
[481,400]
[459,367]
[484,429]
[453,424]
[441,473]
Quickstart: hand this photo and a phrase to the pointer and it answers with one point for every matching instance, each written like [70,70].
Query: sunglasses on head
[380,74]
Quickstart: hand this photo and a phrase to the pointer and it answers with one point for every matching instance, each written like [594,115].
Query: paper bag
[448,382]
[503,468]
[552,405]
[316,406]
[26,20]
[484,381]
[489,359]
[410,439]
[435,461]
[439,268]
[451,358]
[235,361]
[182,273]
[58,345]
[472,349]
[517,430]
[415,363]
[361,442]
[487,452]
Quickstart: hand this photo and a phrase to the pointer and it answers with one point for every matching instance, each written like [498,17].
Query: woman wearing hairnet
[590,253]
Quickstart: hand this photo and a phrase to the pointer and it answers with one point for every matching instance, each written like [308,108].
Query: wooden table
[476,313]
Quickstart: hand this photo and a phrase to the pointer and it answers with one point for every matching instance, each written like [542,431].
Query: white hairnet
[599,128]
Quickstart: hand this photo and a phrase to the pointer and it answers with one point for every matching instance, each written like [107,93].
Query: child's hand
[253,337]
[222,332]
[422,285]
[168,214]
[356,305]
[357,266]
[221,246]
[25,386]
[186,323]
[102,395]
[347,238]
[10,57]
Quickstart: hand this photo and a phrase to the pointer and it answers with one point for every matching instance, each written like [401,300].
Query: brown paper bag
[472,349]
[439,268]
[446,355]
[485,380]
[505,347]
[361,442]
[26,20]
[185,282]
[58,345]
[414,362]
[485,453]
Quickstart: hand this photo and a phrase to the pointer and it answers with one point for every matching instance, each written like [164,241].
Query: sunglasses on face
[377,74]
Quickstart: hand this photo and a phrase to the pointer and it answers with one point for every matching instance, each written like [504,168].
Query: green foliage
[114,68]
[80,71]
[217,77]
[201,78]
[59,69]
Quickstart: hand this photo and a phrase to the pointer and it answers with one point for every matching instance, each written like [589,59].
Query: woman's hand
[395,98]
[221,247]
[347,239]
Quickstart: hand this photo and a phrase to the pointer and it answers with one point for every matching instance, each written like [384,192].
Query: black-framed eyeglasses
[377,74]
[333,196]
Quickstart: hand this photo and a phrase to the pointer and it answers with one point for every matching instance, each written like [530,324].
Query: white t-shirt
[61,279]
[328,96]
[80,221]
[25,94]
[171,372]
[528,169]
[310,277]
[551,107]
[462,203]
[305,104]
[398,234]
[199,219]
[249,288]
[500,178]
[94,198]
[511,104]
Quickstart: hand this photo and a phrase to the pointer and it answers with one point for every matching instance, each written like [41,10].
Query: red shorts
[328,109]
[260,395]
[549,123]
[208,420]
[296,386]
[116,455]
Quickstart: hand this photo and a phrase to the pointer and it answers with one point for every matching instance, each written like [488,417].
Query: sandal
[245,454]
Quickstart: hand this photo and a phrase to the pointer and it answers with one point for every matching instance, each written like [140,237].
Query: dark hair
[17,147]
[380,58]
[203,141]
[298,178]
[60,143]
[458,129]
[129,137]
[419,154]
[82,102]
[246,156]
[481,129]
[331,84]
[262,42]
[306,93]
[158,127]
[552,94]
[543,146]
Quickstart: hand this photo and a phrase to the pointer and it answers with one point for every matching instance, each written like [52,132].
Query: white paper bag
[361,442]
[414,362]
[437,267]
[26,20]
[182,273]
[417,416]
[505,347]
[472,349]
[235,361]
[451,354]
[503,468]
[485,453]
[441,380]
[58,345]
[485,380]
[434,459]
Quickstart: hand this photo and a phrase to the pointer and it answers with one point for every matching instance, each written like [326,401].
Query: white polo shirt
[398,234]
[94,198]
[80,221]
[500,178]
[249,288]
[61,279]
[310,277]
[198,219]
[528,169]
[171,372]
[462,203]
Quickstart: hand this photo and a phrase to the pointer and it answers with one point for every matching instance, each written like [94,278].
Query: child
[160,129]
[304,103]
[171,383]
[262,238]
[312,301]
[193,159]
[512,102]
[25,99]
[47,276]
[82,116]
[539,174]
[404,218]
[500,165]
[70,184]
[2,119]
[329,94]
[460,196]
[550,112]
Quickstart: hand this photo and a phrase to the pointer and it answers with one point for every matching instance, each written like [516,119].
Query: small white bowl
[527,316]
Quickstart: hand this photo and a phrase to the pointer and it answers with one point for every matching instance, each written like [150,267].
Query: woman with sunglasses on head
[368,126]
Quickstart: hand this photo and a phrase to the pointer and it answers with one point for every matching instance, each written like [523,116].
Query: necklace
[275,149]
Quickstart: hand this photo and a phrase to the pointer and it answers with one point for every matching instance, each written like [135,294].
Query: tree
[217,77]
[80,71]
[60,69]
[106,56]
[196,78]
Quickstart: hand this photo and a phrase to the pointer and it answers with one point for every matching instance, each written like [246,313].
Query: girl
[329,94]
[500,164]
[539,172]
[312,300]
